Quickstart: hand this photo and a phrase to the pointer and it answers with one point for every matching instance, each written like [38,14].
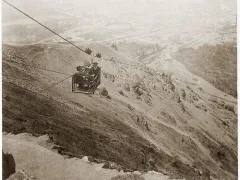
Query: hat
[95,63]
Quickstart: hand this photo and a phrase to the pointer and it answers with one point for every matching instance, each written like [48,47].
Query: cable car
[86,80]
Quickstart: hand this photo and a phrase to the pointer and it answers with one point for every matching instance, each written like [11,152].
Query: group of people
[89,69]
[89,72]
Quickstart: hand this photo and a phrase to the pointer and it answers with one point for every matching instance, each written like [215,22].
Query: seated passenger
[80,69]
[87,64]
[95,70]
[85,69]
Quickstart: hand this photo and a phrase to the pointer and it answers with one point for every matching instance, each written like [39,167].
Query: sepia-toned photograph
[119,90]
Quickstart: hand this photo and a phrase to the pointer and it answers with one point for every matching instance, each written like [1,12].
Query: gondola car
[84,82]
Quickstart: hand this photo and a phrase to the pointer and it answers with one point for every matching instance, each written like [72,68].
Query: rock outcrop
[8,165]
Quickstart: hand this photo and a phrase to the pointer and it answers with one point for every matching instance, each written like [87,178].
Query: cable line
[43,25]
[24,64]
[141,64]
[56,83]
[56,33]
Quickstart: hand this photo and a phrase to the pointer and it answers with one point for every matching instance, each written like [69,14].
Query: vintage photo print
[119,90]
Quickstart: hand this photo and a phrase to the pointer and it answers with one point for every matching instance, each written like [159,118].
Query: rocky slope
[217,64]
[166,120]
[28,149]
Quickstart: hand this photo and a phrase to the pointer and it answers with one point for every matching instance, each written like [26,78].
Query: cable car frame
[85,83]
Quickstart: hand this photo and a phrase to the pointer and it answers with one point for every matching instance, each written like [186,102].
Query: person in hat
[87,64]
[95,70]
[84,70]
[80,69]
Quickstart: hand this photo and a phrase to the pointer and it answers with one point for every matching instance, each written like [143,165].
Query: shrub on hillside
[104,93]
[88,51]
[98,55]
[229,107]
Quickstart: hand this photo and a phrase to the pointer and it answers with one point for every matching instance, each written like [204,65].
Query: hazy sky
[146,12]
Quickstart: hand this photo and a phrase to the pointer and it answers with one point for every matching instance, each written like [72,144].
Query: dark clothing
[95,71]
[82,70]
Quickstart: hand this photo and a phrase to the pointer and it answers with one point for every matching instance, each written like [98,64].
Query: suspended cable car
[87,79]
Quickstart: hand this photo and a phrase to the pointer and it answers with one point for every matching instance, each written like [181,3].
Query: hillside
[153,121]
[215,63]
